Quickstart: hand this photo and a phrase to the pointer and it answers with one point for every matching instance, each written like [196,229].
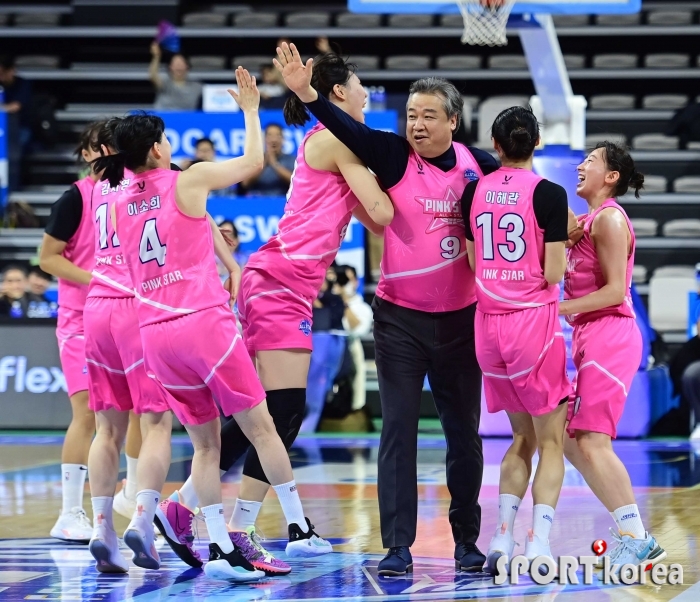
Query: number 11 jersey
[170,255]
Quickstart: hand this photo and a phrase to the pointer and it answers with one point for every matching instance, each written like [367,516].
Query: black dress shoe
[468,558]
[398,561]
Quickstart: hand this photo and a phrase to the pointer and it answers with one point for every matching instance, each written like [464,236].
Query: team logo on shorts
[305,327]
[577,405]
[471,175]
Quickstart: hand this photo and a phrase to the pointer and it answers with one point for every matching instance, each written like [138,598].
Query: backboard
[554,7]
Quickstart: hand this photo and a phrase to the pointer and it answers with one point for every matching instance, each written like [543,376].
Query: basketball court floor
[337,481]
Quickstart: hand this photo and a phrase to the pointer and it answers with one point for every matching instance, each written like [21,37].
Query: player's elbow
[617,295]
[385,217]
[554,274]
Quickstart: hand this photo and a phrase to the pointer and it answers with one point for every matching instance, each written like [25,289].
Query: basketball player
[118,383]
[516,230]
[607,344]
[425,303]
[189,334]
[282,279]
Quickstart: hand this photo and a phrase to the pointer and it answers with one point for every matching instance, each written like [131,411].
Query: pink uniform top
[424,265]
[110,275]
[316,217]
[584,275]
[170,255]
[508,243]
[80,251]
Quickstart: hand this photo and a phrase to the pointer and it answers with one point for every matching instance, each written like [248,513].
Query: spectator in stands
[273,90]
[684,370]
[230,232]
[274,179]
[15,299]
[17,103]
[38,282]
[357,321]
[204,151]
[174,91]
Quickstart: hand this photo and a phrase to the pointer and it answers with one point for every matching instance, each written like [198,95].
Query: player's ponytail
[329,70]
[517,132]
[133,138]
[618,159]
[88,137]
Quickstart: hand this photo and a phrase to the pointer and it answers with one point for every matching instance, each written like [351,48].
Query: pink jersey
[110,276]
[316,217]
[424,265]
[584,275]
[170,255]
[508,243]
[80,251]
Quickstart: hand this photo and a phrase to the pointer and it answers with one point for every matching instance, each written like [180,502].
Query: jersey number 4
[151,249]
[514,227]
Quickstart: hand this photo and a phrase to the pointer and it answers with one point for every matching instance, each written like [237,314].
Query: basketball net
[485,21]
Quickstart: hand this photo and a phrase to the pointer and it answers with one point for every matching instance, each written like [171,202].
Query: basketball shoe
[230,567]
[252,550]
[140,537]
[304,545]
[73,526]
[104,547]
[502,544]
[631,550]
[534,547]
[175,522]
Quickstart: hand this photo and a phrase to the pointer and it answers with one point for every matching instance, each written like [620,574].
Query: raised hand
[248,96]
[155,50]
[296,74]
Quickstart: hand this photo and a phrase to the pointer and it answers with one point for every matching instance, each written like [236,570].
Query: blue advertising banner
[257,220]
[227,130]
[4,172]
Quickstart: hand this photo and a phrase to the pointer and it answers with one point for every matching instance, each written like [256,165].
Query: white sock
[542,518]
[103,506]
[630,522]
[146,504]
[73,485]
[244,515]
[612,515]
[187,494]
[507,509]
[216,525]
[131,484]
[291,504]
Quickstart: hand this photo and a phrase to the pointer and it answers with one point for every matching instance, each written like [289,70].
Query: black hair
[516,131]
[7,61]
[618,159]
[35,269]
[184,58]
[133,138]
[105,135]
[201,140]
[352,269]
[14,266]
[329,71]
[88,138]
[233,227]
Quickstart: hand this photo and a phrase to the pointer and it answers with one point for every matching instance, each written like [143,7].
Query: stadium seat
[654,142]
[670,17]
[667,61]
[4,19]
[407,62]
[668,297]
[489,110]
[308,19]
[644,227]
[618,20]
[594,138]
[664,102]
[254,20]
[507,61]
[612,102]
[36,61]
[570,20]
[655,184]
[405,21]
[364,62]
[252,62]
[37,20]
[207,63]
[615,61]
[687,184]
[472,101]
[205,20]
[639,274]
[575,61]
[451,21]
[682,228]
[453,62]
[357,21]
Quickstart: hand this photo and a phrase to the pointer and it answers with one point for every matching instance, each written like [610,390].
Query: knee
[525,444]
[586,449]
[111,433]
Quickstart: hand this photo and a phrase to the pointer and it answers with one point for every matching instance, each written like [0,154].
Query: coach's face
[428,126]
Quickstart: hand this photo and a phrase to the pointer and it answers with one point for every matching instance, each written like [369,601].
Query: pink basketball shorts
[522,355]
[607,353]
[116,372]
[200,358]
[71,348]
[272,315]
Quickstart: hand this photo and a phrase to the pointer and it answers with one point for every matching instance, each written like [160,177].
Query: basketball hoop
[485,21]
